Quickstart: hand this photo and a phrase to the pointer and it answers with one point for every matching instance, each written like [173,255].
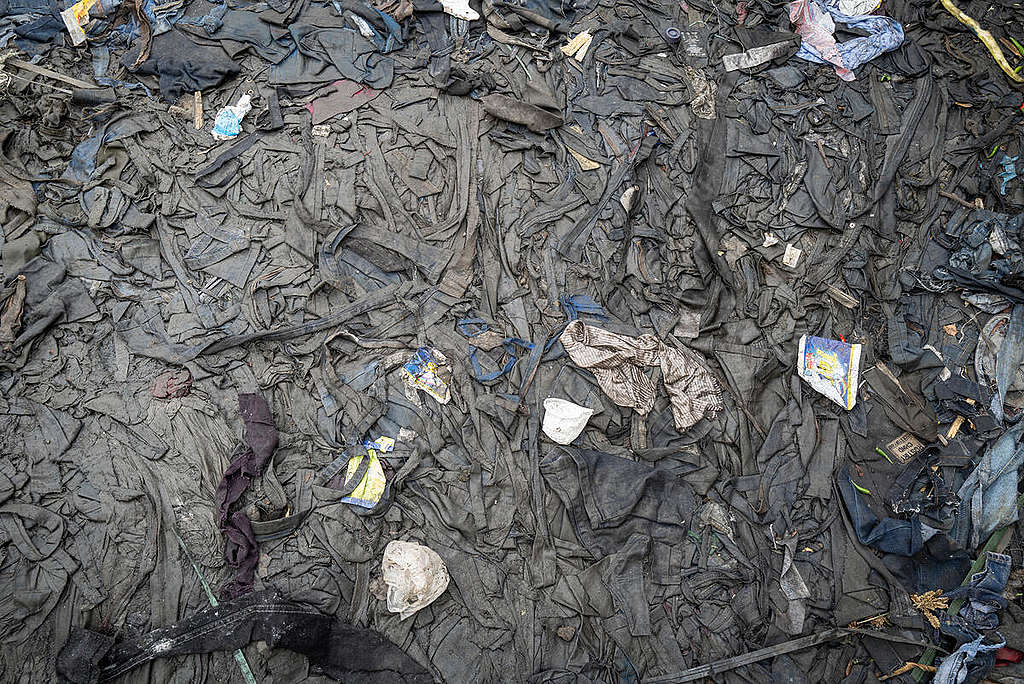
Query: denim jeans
[988,496]
[984,593]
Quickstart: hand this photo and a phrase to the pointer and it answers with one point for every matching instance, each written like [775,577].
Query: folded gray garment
[533,117]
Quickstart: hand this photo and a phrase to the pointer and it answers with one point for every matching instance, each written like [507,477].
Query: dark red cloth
[249,460]
[1006,656]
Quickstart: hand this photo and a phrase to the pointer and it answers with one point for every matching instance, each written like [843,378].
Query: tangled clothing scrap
[618,362]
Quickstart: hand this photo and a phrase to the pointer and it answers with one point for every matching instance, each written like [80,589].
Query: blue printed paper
[831,367]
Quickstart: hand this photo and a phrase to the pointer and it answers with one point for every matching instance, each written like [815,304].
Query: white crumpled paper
[415,576]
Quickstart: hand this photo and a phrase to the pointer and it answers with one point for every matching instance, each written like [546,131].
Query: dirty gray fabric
[629,227]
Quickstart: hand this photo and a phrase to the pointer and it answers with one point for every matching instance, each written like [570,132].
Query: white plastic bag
[855,8]
[564,420]
[460,9]
[415,576]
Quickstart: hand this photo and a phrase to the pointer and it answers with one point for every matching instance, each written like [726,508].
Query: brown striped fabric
[618,362]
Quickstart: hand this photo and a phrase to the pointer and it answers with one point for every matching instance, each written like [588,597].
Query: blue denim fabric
[889,535]
[984,593]
[1009,358]
[988,498]
[953,668]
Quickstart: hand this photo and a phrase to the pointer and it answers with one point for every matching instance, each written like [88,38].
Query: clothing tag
[693,46]
[792,256]
[904,447]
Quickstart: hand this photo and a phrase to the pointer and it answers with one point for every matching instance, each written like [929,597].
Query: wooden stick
[197,109]
[949,195]
[50,73]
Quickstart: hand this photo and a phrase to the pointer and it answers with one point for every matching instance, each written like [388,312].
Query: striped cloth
[618,363]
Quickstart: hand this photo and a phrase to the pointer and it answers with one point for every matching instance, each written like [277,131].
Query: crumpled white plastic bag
[460,9]
[564,420]
[415,576]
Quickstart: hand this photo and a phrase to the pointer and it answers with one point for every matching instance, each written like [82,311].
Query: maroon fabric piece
[172,384]
[249,460]
[1008,656]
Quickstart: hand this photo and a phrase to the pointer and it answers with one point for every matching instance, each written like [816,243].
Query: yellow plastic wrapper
[75,19]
